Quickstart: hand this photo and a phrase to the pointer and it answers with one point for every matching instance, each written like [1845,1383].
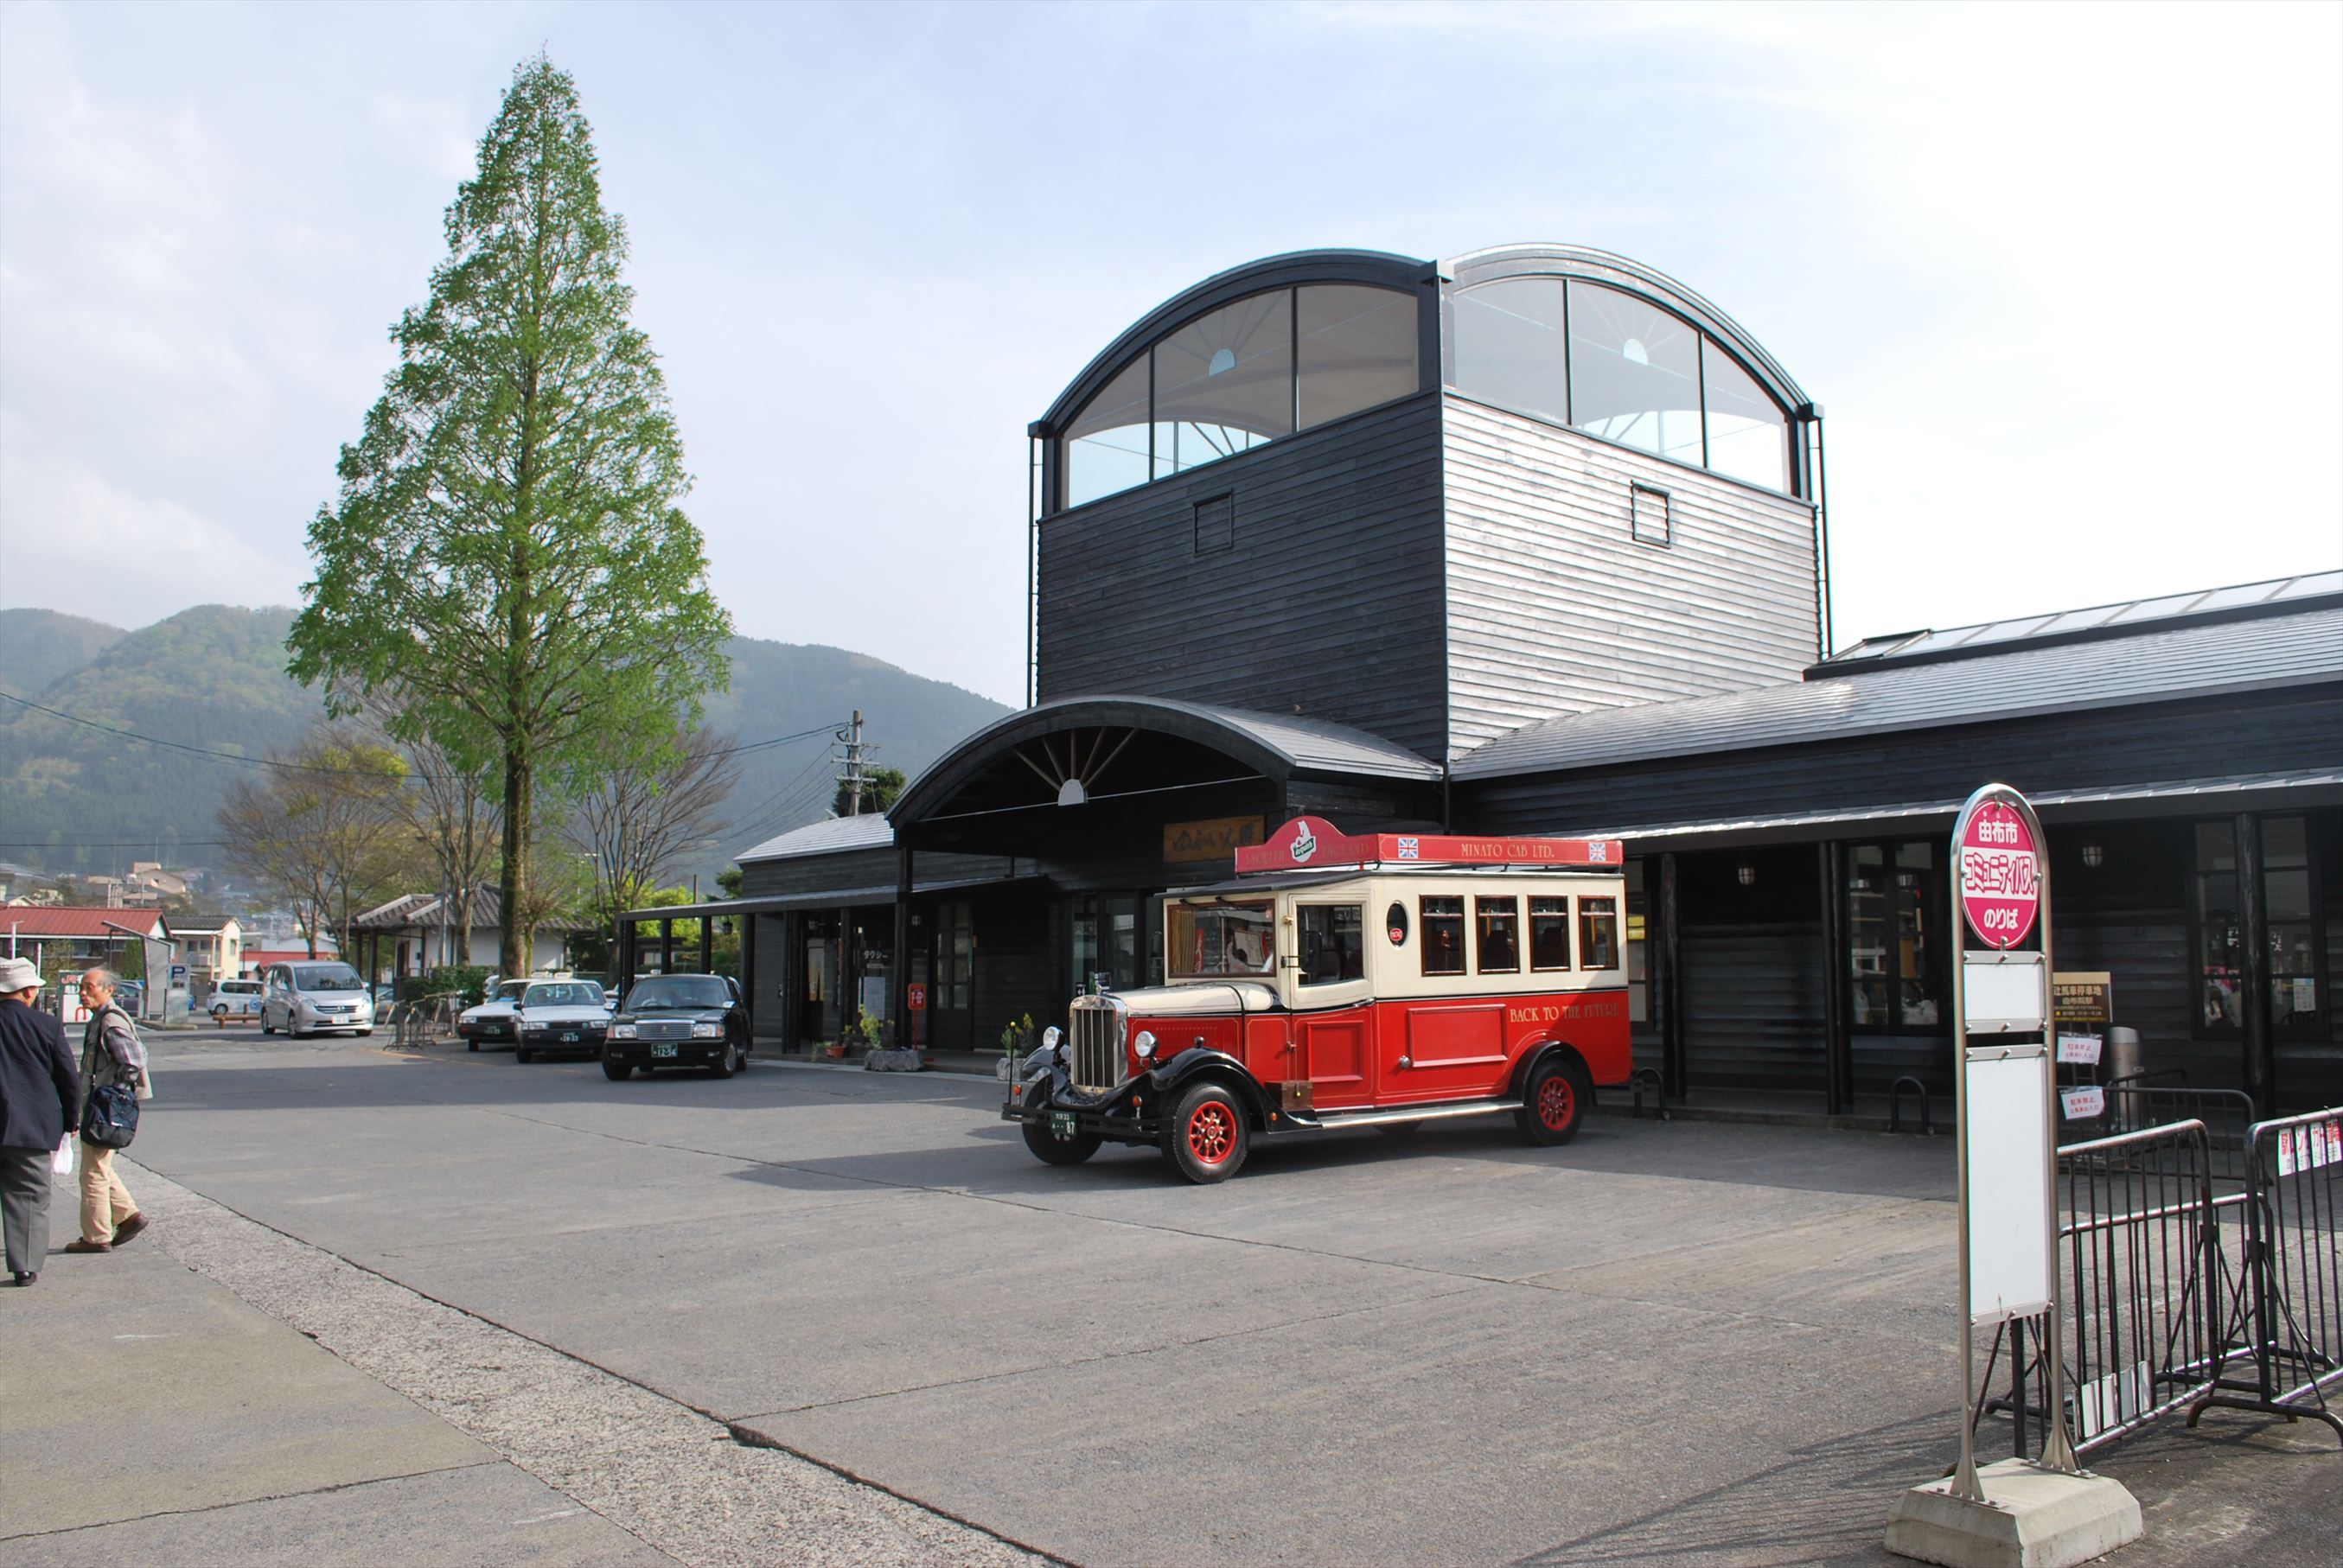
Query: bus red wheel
[1554,1103]
[1207,1138]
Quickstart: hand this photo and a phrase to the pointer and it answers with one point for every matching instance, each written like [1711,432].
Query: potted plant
[861,1031]
[1016,1041]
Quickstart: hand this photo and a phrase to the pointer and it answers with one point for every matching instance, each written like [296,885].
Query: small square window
[1216,525]
[1647,514]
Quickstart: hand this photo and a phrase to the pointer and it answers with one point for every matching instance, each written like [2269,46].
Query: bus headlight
[1144,1045]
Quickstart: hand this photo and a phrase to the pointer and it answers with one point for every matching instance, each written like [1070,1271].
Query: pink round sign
[2001,884]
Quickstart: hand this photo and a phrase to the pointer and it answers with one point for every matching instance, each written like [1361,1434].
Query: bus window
[1598,933]
[1549,933]
[1333,948]
[1443,919]
[1496,939]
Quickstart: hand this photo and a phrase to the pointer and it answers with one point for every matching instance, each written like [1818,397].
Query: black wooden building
[1531,541]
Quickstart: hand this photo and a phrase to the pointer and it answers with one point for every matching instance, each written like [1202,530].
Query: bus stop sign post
[2050,1514]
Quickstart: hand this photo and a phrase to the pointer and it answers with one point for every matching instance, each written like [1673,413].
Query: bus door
[1333,1026]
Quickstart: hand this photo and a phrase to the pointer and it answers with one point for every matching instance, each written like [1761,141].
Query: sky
[2067,280]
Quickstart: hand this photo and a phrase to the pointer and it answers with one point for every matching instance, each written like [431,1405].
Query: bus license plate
[662,1050]
[570,1038]
[1061,1124]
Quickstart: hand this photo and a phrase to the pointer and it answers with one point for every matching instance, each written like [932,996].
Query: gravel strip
[665,1473]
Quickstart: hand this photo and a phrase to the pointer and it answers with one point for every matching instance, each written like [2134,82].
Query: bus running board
[1329,1121]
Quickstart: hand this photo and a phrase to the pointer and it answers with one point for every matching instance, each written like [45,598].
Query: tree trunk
[510,934]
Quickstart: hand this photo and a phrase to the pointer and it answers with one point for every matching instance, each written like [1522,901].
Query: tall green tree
[509,554]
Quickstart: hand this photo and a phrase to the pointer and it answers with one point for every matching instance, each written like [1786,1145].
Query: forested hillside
[74,798]
[37,646]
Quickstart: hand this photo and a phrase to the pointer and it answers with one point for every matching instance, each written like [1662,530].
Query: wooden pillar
[792,983]
[899,1006]
[626,975]
[1667,990]
[2260,1057]
[707,944]
[666,945]
[1838,1037]
[748,934]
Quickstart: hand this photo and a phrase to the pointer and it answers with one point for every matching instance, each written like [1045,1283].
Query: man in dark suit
[39,1092]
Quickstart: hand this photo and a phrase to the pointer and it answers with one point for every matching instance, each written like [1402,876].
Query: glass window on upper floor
[1634,373]
[1358,348]
[1748,438]
[1106,445]
[1224,384]
[1227,382]
[1620,368]
[1509,345]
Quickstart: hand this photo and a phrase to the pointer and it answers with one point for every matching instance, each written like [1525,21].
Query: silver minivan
[236,998]
[309,997]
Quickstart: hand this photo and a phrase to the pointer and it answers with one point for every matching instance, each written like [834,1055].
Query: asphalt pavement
[814,1314]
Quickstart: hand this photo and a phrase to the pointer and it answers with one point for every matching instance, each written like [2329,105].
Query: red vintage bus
[1370,980]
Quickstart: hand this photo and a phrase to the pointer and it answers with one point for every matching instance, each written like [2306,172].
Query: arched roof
[1275,745]
[1377,268]
[1481,266]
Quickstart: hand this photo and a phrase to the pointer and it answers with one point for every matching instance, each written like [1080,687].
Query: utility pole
[852,778]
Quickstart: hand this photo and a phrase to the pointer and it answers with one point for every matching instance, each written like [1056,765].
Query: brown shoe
[128,1230]
[78,1245]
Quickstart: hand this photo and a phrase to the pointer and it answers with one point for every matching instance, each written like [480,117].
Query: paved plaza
[495,1312]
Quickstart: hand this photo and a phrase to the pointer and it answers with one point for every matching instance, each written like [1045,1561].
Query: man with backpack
[110,1054]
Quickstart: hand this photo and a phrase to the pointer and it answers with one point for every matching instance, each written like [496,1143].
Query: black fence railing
[2139,1253]
[2288,1319]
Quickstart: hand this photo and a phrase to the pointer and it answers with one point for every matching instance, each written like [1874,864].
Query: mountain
[37,646]
[74,798]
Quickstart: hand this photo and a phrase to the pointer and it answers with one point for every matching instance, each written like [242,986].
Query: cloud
[78,542]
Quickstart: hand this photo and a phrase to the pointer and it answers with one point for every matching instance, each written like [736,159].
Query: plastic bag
[61,1162]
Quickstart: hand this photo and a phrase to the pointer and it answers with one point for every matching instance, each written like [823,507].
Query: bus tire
[1208,1138]
[1051,1150]
[1554,1103]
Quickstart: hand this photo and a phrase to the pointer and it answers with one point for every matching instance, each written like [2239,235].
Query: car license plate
[662,1050]
[569,1037]
[1061,1124]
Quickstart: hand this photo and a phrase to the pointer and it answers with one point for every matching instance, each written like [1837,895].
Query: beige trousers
[104,1201]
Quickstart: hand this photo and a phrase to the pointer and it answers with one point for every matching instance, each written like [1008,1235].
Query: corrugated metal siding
[1554,608]
[1330,600]
[2282,729]
[1018,961]
[1753,1005]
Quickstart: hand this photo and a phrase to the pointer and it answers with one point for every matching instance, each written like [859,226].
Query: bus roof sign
[1311,843]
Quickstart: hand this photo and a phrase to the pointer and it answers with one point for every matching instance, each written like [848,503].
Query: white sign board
[2005,993]
[2008,1139]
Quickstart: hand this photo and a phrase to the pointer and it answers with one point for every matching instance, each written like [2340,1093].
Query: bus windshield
[1216,941]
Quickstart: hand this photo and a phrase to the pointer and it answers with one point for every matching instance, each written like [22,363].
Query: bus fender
[1537,1056]
[1197,1062]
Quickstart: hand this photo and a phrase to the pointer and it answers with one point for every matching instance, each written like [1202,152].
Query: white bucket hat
[16,974]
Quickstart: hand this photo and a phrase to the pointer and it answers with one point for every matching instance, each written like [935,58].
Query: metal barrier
[1635,1082]
[2140,1245]
[2290,1314]
[421,1020]
[2227,1115]
[1895,1106]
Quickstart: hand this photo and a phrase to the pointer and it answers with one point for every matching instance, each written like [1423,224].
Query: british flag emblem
[1410,849]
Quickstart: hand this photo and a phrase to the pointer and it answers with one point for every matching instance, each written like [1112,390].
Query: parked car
[235,999]
[306,999]
[559,1015]
[493,1019]
[678,1020]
